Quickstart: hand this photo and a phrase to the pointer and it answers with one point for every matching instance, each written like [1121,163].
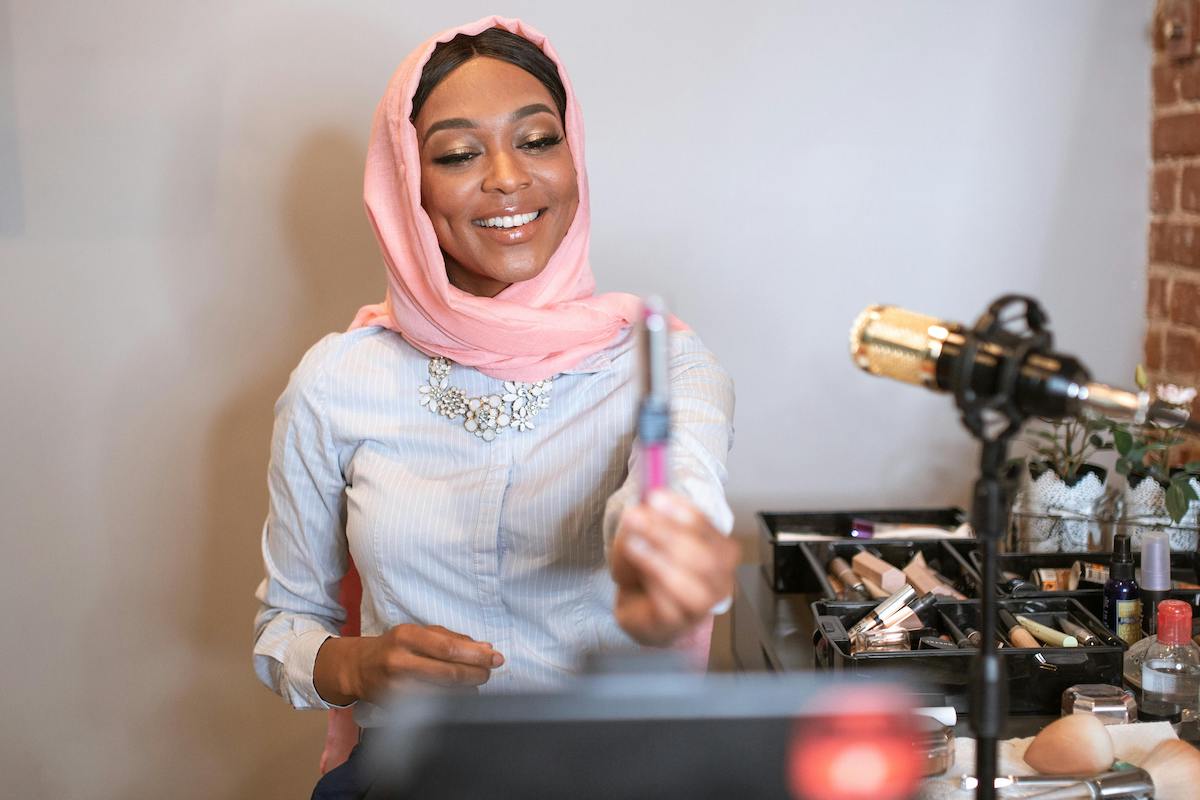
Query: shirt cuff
[298,669]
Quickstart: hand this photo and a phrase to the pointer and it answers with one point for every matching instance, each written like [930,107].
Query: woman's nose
[506,174]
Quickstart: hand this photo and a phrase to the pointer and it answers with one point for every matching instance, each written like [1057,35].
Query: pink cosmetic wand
[654,415]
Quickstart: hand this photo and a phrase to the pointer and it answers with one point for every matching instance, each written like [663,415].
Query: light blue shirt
[505,541]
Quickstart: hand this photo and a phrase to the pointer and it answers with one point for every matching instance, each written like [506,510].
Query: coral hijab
[532,329]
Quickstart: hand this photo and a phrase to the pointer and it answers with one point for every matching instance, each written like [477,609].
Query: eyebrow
[461,122]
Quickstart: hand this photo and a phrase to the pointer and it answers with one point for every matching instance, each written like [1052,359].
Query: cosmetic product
[935,744]
[1112,705]
[909,616]
[870,566]
[1122,597]
[1016,634]
[957,635]
[975,637]
[1128,783]
[891,605]
[949,584]
[839,591]
[934,643]
[1045,633]
[1087,572]
[654,413]
[1018,587]
[1050,579]
[1077,744]
[922,579]
[1171,668]
[1185,585]
[874,591]
[1081,634]
[1155,578]
[880,640]
[853,585]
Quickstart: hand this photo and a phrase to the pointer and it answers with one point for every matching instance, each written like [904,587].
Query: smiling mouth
[514,221]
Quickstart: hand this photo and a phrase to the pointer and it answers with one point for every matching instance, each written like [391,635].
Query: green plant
[1146,449]
[1066,445]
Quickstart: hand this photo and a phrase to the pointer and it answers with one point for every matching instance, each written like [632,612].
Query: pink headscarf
[532,329]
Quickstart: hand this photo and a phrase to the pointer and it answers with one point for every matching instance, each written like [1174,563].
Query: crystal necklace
[489,415]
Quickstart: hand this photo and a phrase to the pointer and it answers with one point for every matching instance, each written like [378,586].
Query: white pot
[1145,510]
[1052,517]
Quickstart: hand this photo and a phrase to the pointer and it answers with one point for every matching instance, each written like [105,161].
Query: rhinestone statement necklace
[489,415]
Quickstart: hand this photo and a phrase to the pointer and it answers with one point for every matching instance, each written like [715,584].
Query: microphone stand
[993,420]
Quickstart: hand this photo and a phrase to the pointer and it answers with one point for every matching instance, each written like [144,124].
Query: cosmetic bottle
[1171,670]
[1122,598]
[1155,578]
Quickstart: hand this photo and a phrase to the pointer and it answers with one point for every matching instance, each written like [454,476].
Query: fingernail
[667,503]
[497,659]
[639,546]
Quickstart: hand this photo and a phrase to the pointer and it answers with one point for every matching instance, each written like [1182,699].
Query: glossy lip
[511,235]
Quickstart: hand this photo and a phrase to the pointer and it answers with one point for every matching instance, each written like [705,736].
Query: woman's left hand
[671,567]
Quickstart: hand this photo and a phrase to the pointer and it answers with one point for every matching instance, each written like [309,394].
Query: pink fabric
[532,329]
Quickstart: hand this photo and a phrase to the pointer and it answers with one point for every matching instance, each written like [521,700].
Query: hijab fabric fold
[532,329]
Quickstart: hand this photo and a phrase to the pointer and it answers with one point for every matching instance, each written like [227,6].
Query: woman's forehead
[483,90]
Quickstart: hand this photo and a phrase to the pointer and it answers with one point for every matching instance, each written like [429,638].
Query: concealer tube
[909,617]
[1082,634]
[1047,634]
[869,566]
[854,585]
[1016,634]
[877,615]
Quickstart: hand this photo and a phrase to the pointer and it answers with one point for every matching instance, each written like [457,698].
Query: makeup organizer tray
[946,557]
[1089,594]
[1036,676]
[789,563]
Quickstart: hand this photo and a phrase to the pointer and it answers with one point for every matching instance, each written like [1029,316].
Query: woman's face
[497,179]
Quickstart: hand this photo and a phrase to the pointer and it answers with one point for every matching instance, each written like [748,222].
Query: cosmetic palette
[940,654]
[783,538]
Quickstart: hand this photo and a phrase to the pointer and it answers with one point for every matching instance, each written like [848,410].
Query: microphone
[914,348]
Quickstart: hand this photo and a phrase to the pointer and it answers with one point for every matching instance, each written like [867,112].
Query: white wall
[180,219]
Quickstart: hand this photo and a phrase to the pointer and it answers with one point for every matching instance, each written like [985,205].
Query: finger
[625,573]
[444,647]
[408,664]
[456,634]
[697,548]
[671,587]
[676,507]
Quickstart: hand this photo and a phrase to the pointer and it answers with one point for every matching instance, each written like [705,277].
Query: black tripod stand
[993,420]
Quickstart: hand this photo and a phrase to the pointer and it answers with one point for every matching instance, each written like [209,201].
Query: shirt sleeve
[701,437]
[303,540]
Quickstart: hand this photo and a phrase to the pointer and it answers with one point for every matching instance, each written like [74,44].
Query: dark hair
[494,43]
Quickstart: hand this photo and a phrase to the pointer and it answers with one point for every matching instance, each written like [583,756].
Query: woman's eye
[455,158]
[541,143]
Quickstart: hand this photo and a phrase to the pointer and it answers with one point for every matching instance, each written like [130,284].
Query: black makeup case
[786,567]
[948,556]
[1036,677]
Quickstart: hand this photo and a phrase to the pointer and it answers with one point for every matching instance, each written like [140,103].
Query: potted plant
[1158,494]
[1059,504]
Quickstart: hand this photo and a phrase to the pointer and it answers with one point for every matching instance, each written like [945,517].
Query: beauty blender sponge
[1074,745]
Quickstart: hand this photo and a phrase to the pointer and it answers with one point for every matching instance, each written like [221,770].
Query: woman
[469,443]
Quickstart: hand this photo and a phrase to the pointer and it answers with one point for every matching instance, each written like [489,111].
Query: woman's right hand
[351,668]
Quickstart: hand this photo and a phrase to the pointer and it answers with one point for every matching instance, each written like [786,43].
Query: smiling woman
[495,551]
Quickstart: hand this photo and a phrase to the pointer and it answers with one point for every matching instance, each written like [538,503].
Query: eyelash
[537,145]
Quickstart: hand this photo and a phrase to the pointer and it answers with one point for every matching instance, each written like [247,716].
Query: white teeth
[507,222]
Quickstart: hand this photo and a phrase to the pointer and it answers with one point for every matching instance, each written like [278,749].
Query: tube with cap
[1016,634]
[1156,577]
[1050,636]
[876,616]
[854,587]
[1081,634]
[909,616]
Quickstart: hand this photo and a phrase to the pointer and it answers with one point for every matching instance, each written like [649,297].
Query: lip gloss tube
[654,415]
[876,616]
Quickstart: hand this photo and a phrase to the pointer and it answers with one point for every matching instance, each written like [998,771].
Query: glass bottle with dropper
[1171,670]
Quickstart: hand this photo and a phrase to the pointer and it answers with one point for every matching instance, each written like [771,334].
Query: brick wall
[1172,348]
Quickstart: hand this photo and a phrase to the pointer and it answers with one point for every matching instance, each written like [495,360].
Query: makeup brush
[1170,772]
[1016,634]
[1082,634]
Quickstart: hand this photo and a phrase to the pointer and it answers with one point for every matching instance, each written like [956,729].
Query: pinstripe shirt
[505,541]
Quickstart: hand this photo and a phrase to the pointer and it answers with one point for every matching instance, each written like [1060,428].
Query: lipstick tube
[877,615]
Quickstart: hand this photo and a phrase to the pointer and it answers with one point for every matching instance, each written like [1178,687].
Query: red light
[856,757]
